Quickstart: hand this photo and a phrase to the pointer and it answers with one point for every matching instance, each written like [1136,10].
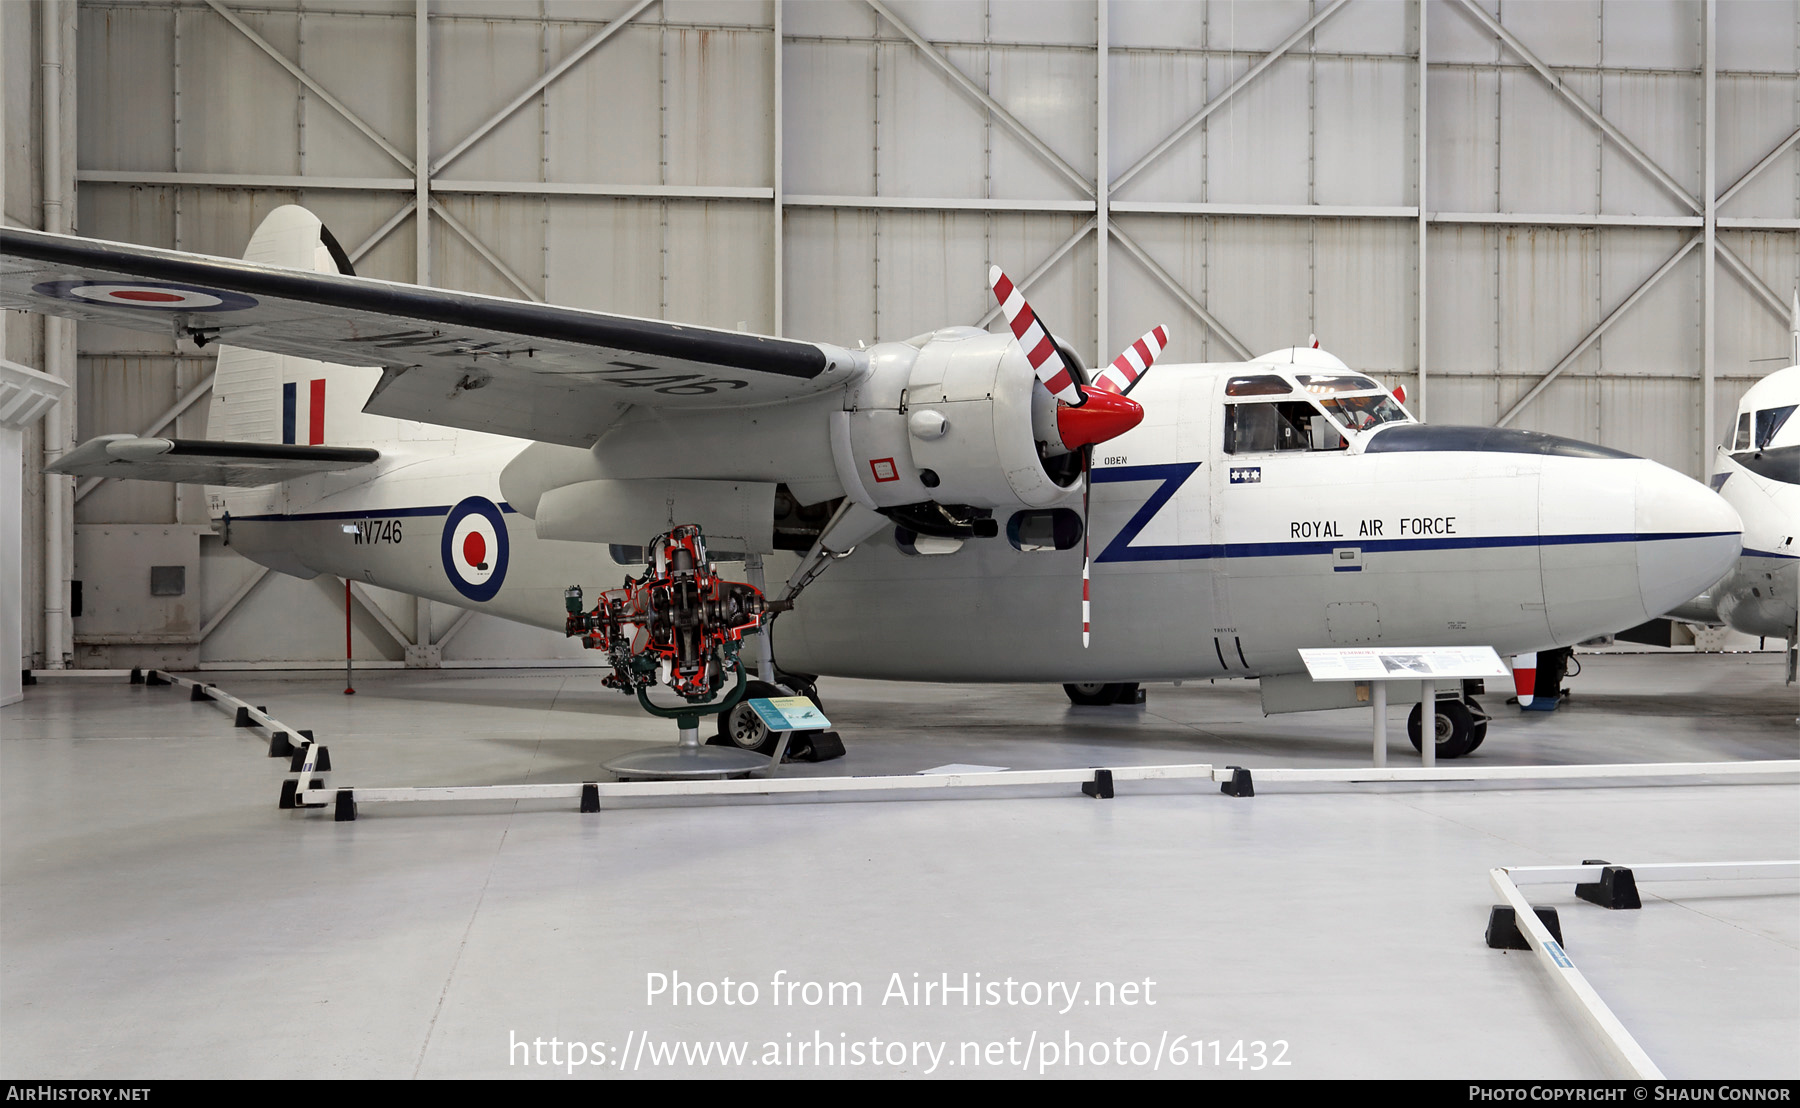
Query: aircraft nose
[1688,537]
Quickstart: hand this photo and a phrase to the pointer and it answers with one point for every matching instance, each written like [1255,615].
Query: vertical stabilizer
[277,398]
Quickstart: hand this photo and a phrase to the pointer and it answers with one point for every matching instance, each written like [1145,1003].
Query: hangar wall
[1611,199]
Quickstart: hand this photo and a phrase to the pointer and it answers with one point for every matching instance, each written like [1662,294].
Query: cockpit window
[1359,413]
[1335,382]
[1292,425]
[1263,384]
[1769,421]
[1742,439]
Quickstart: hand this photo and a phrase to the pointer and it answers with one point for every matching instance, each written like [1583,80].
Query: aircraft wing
[205,461]
[485,363]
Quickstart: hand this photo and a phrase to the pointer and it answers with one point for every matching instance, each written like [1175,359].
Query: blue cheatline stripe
[289,401]
[1203,552]
[371,513]
[1749,553]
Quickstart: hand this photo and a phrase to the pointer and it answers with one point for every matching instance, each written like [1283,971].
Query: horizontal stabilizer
[205,462]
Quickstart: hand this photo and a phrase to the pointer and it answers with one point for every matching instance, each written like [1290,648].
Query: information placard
[789,713]
[1402,663]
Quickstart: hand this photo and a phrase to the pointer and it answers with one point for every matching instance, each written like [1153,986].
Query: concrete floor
[160,918]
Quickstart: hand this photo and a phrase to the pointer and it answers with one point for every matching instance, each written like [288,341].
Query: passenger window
[1769,421]
[1051,529]
[1291,425]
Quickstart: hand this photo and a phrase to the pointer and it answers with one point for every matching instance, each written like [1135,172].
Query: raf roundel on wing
[144,294]
[475,548]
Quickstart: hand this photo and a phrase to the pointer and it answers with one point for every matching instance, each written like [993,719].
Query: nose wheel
[1459,726]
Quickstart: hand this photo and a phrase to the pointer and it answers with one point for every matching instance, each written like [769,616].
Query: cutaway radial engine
[679,625]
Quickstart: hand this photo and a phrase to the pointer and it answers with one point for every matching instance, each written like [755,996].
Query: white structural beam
[451,631]
[382,231]
[1768,160]
[317,89]
[980,95]
[1709,318]
[777,239]
[481,248]
[539,85]
[1029,279]
[422,140]
[1587,112]
[1193,305]
[1769,297]
[387,623]
[237,598]
[1220,100]
[1102,191]
[1593,336]
[1422,279]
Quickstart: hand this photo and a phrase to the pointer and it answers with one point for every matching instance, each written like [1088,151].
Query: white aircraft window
[1336,382]
[1359,413]
[1742,441]
[1263,384]
[1769,421]
[1051,529]
[1258,428]
[911,542]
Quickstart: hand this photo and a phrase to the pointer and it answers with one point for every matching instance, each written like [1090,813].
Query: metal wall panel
[1756,113]
[1549,157]
[366,62]
[240,110]
[1364,141]
[1662,114]
[604,122]
[1052,93]
[1257,146]
[1154,92]
[127,104]
[1462,158]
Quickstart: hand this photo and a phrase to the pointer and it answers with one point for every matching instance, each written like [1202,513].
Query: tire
[1455,727]
[741,727]
[1092,694]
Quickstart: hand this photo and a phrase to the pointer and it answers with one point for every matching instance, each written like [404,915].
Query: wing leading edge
[484,363]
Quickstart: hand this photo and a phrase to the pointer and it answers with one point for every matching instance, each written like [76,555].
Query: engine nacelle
[955,418]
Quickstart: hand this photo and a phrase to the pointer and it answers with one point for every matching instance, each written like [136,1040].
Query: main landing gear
[1459,726]
[742,728]
[1091,694]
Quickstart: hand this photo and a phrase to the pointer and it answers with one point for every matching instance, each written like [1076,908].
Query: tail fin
[276,398]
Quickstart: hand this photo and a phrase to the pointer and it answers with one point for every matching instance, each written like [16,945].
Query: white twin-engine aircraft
[1757,471]
[1238,512]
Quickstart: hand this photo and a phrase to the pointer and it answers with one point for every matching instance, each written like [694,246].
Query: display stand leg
[1428,722]
[1378,703]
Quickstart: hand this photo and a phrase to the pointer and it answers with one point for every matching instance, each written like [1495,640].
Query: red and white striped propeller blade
[1040,349]
[1128,368]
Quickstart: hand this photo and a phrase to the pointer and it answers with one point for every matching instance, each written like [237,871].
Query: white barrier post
[1378,700]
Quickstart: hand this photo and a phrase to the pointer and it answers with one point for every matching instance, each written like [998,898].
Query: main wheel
[1090,694]
[742,727]
[1454,728]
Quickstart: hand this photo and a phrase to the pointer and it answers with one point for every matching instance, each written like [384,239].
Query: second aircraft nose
[1688,537]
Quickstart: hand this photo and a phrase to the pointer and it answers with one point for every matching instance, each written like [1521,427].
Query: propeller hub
[1105,416]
